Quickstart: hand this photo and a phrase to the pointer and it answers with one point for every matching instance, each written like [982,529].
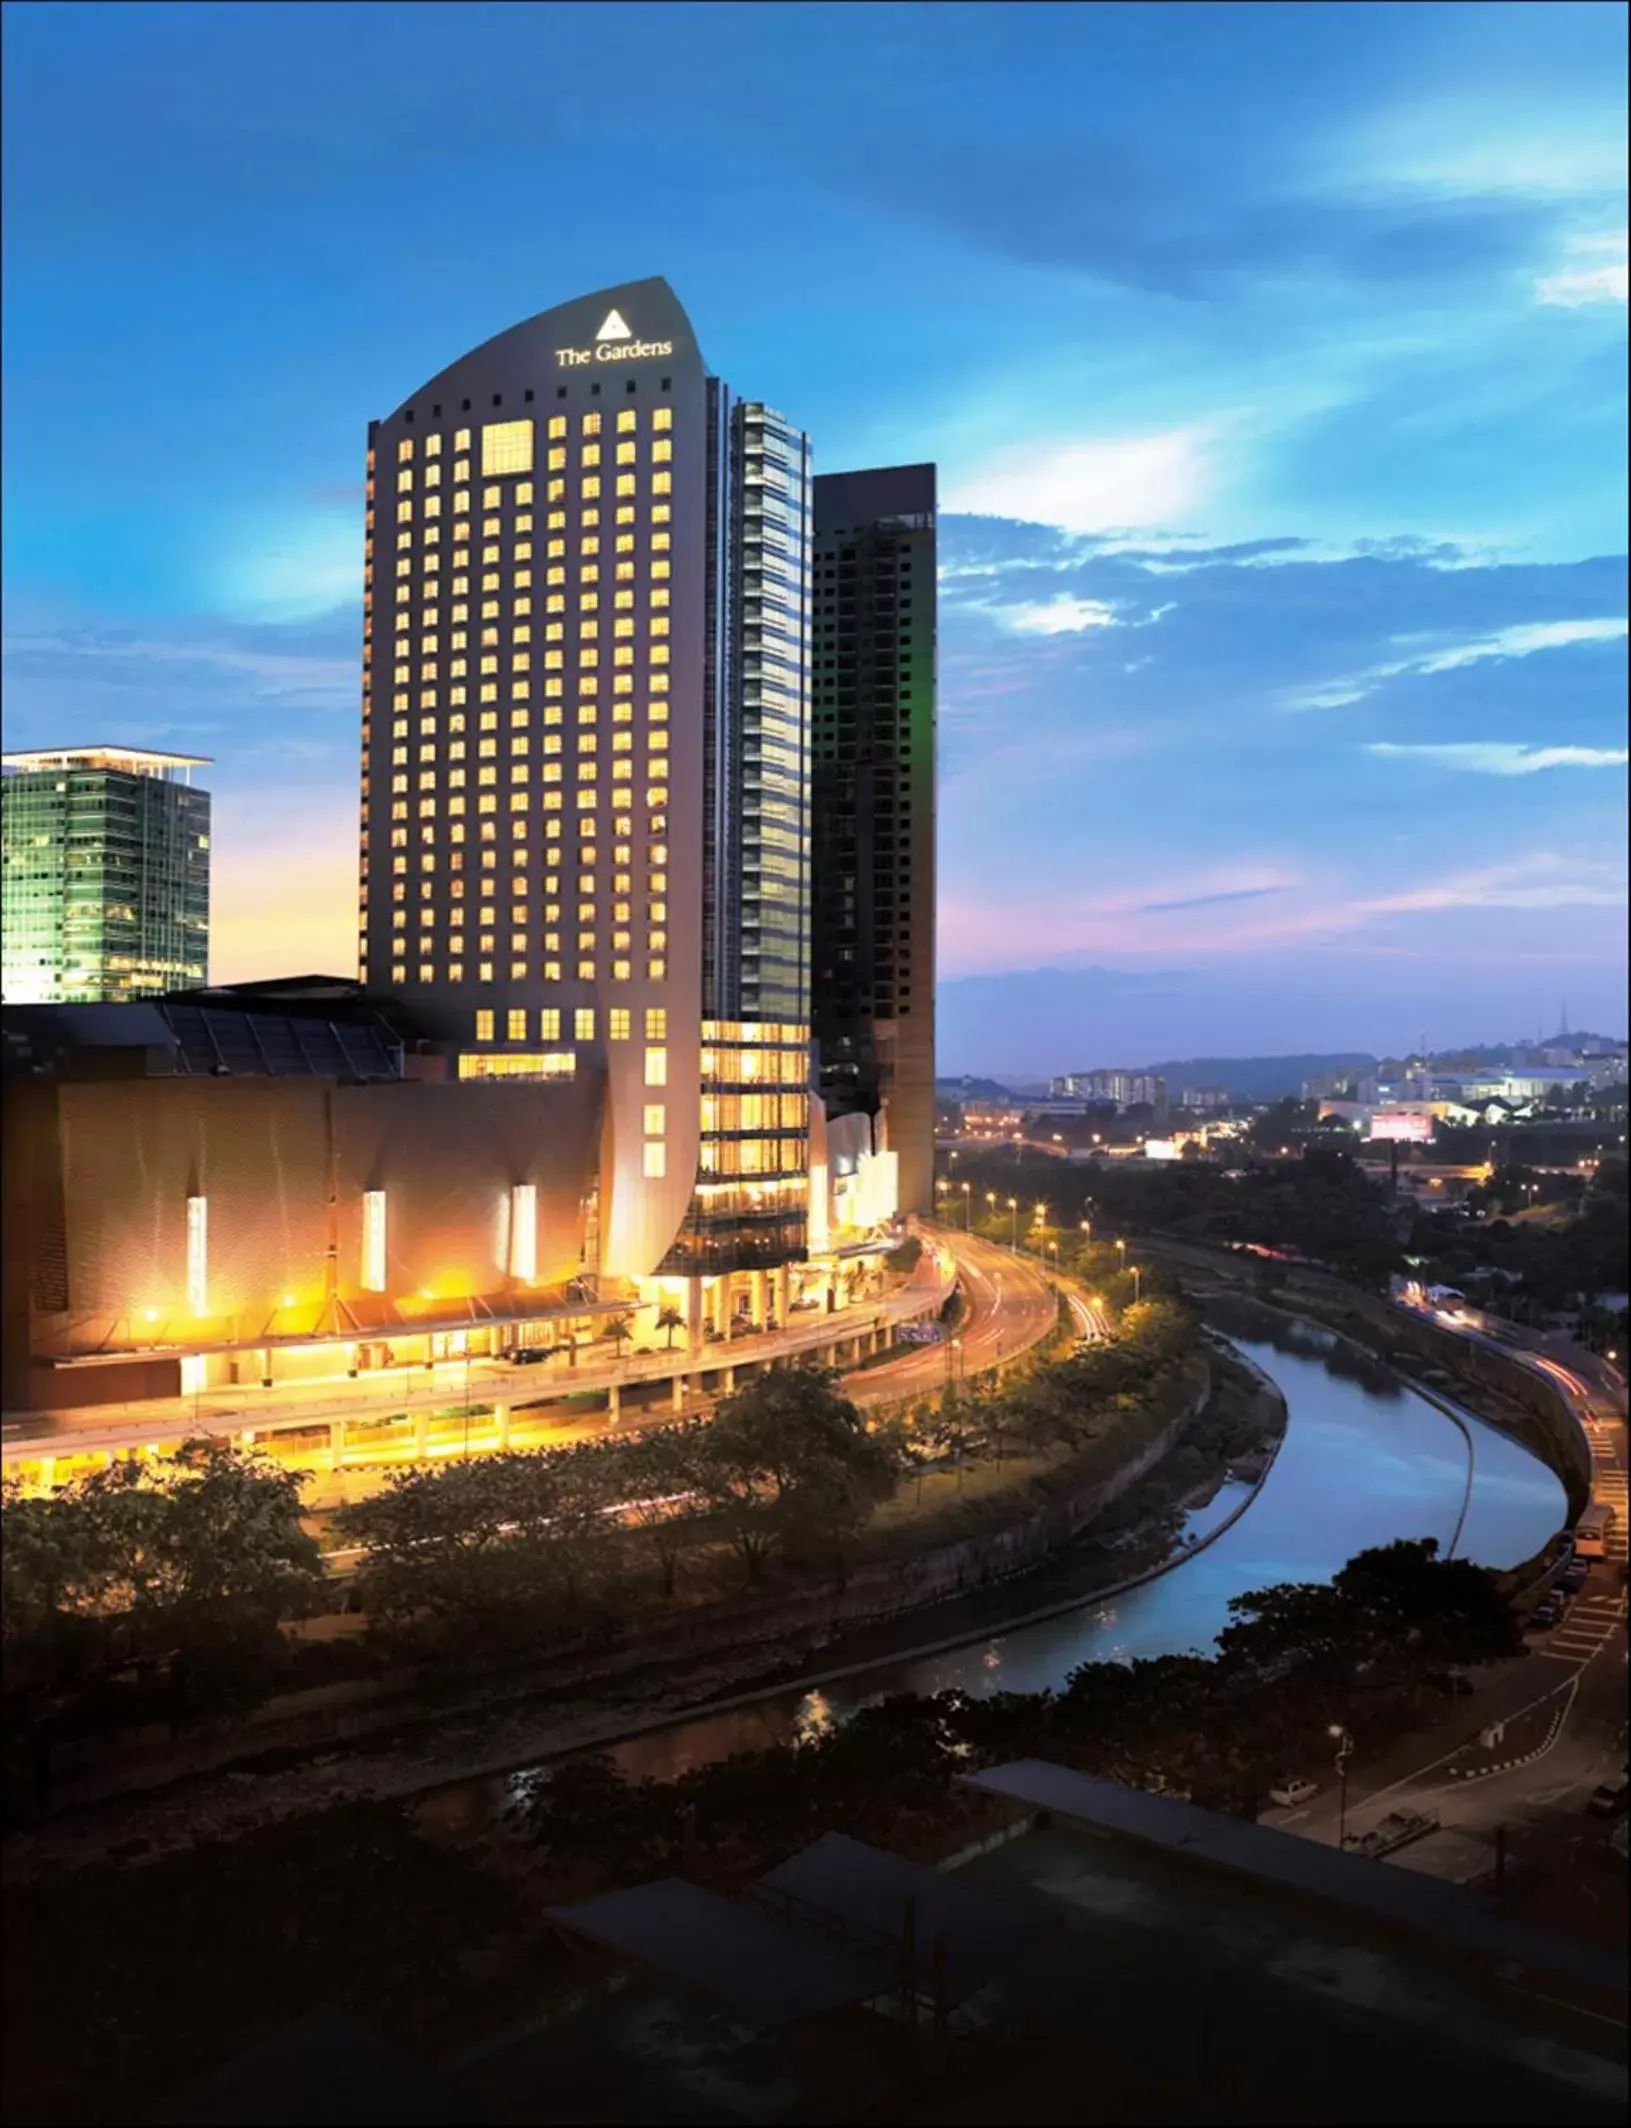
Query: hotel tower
[586,770]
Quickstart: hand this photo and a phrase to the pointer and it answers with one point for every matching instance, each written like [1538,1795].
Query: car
[1544,1616]
[1608,1800]
[527,1355]
[1396,1830]
[1293,1789]
[1454,1684]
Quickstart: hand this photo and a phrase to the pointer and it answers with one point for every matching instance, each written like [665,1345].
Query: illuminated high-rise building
[106,873]
[873,743]
[585,763]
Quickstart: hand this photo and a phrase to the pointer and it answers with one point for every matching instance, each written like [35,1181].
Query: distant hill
[972,1090]
[1258,1078]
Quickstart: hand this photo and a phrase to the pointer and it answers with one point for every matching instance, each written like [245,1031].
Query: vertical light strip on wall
[373,1241]
[198,1255]
[524,1230]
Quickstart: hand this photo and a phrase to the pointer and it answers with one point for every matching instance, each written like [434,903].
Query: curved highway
[1011,1307]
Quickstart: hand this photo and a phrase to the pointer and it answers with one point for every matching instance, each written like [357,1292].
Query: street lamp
[1345,1744]
[1013,1224]
[1137,1287]
[968,1216]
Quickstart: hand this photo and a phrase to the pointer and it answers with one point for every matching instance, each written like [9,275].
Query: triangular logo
[614,328]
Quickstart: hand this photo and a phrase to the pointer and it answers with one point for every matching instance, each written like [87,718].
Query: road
[449,1411]
[1010,1308]
[1561,1708]
[451,1383]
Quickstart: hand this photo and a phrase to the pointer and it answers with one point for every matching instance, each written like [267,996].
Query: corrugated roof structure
[1386,1892]
[734,1950]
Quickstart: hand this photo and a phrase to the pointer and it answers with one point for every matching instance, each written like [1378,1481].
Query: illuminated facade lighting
[373,1241]
[198,1255]
[524,1231]
[585,747]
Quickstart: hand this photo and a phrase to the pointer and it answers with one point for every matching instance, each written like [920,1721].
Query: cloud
[70,671]
[1545,880]
[1060,616]
[1487,757]
[1095,484]
[1574,287]
[1521,640]
[1206,901]
[1102,207]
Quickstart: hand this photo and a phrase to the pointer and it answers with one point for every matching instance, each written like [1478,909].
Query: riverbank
[458,1738]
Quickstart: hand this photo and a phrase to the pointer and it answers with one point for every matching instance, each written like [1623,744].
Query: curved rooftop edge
[632,317]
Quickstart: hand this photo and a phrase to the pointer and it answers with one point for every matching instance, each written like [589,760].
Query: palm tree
[617,1328]
[670,1319]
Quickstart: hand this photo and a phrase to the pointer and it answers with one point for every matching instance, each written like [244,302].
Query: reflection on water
[1365,1460]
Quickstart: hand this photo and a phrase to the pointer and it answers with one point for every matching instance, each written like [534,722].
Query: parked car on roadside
[1396,1830]
[1454,1684]
[1293,1789]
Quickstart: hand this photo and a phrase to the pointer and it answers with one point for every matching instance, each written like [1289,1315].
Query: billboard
[1403,1124]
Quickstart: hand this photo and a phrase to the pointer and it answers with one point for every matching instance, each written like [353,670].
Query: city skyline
[1282,602]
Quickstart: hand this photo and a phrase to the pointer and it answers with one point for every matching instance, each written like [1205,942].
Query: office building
[874,795]
[585,787]
[106,873]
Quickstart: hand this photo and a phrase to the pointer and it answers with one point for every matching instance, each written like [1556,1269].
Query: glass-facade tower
[874,743]
[106,872]
[585,816]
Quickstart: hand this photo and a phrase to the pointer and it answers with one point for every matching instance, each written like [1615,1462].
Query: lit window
[583,1024]
[662,449]
[617,1024]
[656,1023]
[484,1026]
[655,1162]
[656,1114]
[662,417]
[628,419]
[591,424]
[656,1067]
[506,447]
[549,1024]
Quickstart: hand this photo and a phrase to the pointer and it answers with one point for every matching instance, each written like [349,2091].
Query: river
[1365,1459]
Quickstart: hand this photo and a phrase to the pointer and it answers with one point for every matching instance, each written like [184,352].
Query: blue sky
[1273,359]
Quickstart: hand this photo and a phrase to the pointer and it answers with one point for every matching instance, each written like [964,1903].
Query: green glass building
[106,874]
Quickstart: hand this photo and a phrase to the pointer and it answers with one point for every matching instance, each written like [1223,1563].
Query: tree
[659,1474]
[670,1319]
[788,1463]
[187,1562]
[614,1330]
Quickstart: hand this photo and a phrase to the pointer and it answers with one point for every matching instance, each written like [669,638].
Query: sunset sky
[1273,360]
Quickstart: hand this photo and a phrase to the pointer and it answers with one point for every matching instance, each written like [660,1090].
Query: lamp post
[1013,1224]
[1138,1291]
[1345,1744]
[1039,1220]
[968,1215]
[991,1203]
